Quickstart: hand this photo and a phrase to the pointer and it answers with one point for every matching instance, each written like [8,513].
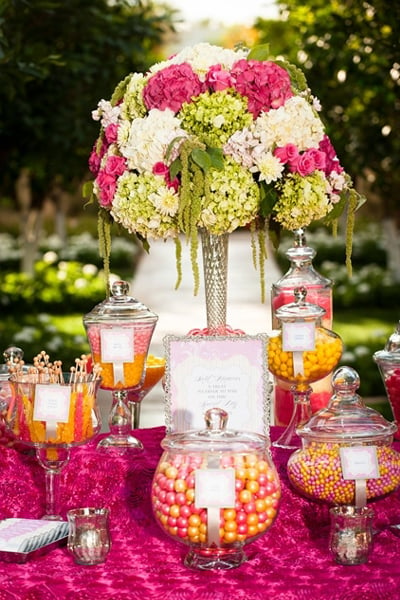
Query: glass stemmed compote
[53,411]
[301,352]
[119,331]
[155,369]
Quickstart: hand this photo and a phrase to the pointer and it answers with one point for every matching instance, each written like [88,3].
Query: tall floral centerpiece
[209,141]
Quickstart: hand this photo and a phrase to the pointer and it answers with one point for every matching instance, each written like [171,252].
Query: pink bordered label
[215,488]
[298,337]
[117,345]
[52,403]
[359,462]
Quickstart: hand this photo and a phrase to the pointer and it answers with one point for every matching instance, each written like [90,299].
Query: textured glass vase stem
[215,266]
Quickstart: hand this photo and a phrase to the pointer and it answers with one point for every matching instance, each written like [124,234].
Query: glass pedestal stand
[53,459]
[301,414]
[119,422]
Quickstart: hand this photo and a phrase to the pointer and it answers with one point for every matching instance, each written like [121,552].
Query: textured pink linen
[291,561]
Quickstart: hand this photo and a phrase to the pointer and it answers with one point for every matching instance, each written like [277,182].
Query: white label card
[359,462]
[298,336]
[215,488]
[117,345]
[52,403]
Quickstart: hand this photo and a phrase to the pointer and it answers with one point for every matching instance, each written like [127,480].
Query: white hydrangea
[201,57]
[149,139]
[293,123]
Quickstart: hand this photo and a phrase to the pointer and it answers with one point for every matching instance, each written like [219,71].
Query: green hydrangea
[133,208]
[232,199]
[213,118]
[133,106]
[302,200]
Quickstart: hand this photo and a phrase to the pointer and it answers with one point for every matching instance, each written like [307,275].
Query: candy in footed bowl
[347,456]
[53,411]
[215,490]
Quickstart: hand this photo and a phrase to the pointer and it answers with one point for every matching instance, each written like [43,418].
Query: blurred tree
[350,51]
[57,60]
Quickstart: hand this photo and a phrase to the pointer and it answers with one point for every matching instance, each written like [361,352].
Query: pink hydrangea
[217,79]
[265,84]
[331,160]
[171,87]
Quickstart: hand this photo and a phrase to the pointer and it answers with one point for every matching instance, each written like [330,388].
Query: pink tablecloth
[291,561]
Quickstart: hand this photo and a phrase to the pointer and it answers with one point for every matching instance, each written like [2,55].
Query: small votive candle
[351,534]
[89,537]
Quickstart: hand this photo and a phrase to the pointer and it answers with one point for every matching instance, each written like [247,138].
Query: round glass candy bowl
[335,442]
[119,331]
[53,413]
[215,490]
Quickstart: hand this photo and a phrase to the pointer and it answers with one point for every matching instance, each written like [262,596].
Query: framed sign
[228,372]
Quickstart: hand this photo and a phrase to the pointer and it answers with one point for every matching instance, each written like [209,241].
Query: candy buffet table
[291,561]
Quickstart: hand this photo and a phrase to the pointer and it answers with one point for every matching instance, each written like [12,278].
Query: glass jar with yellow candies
[301,352]
[347,457]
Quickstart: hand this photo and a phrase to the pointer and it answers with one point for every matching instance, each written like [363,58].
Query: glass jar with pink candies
[215,490]
[347,457]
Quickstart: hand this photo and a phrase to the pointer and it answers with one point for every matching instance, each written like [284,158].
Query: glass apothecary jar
[346,449]
[388,361]
[301,352]
[301,273]
[215,490]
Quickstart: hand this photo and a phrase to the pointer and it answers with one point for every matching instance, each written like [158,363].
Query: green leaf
[201,158]
[87,191]
[260,52]
[217,158]
[268,199]
[297,77]
[175,168]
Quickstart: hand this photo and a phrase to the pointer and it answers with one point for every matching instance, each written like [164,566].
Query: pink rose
[265,84]
[96,156]
[107,184]
[162,169]
[115,165]
[111,133]
[303,165]
[318,157]
[288,153]
[171,87]
[217,79]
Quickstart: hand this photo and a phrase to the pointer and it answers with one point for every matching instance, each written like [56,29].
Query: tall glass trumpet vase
[215,268]
[52,416]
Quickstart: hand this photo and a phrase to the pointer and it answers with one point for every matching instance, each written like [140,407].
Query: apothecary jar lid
[120,306]
[300,309]
[215,438]
[347,418]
